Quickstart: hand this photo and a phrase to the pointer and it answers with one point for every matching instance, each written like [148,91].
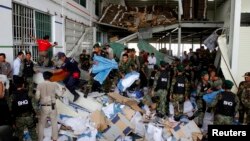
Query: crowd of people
[190,77]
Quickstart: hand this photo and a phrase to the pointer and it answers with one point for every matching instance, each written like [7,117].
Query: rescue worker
[226,105]
[28,72]
[202,88]
[143,76]
[72,80]
[93,84]
[23,112]
[152,76]
[133,58]
[84,60]
[125,64]
[43,47]
[245,99]
[179,91]
[46,94]
[161,86]
[244,85]
[5,67]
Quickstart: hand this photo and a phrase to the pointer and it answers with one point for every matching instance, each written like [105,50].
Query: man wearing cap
[202,88]
[98,51]
[71,66]
[226,105]
[243,85]
[46,94]
[179,91]
[244,96]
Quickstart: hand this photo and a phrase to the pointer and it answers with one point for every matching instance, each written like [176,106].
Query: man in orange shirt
[43,47]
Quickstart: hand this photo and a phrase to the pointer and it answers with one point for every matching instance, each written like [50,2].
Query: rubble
[115,117]
[134,18]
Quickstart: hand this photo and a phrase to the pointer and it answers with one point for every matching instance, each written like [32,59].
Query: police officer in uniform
[179,91]
[46,95]
[23,112]
[244,85]
[161,86]
[71,66]
[226,105]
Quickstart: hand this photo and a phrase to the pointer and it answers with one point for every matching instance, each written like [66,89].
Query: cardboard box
[100,120]
[186,131]
[123,124]
[127,101]
[119,126]
[112,133]
[128,112]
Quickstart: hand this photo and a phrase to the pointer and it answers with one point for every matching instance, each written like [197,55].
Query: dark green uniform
[243,86]
[226,105]
[23,114]
[179,91]
[161,86]
[245,99]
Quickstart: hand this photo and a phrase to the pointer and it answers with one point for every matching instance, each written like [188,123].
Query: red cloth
[43,45]
[76,75]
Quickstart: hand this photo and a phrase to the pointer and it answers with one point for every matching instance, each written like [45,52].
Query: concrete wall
[223,12]
[58,9]
[244,42]
[6,40]
[244,58]
[245,6]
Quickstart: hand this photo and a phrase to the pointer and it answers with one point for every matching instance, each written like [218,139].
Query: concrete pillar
[234,34]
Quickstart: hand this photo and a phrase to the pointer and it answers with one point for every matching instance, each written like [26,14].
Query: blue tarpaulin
[128,80]
[210,97]
[103,67]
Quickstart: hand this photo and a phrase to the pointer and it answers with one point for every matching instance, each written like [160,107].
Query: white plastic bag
[188,108]
[154,133]
[139,126]
[207,120]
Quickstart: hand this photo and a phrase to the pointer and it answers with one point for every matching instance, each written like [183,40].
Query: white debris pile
[101,117]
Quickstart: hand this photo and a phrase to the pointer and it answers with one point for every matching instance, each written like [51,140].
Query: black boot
[76,97]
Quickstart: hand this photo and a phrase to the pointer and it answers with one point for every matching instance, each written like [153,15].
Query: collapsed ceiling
[145,14]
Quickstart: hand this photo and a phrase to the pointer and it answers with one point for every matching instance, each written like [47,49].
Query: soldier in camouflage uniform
[161,86]
[23,112]
[244,93]
[179,91]
[226,105]
[244,85]
[125,64]
[84,60]
[202,88]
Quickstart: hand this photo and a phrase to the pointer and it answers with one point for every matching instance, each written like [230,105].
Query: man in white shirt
[151,61]
[17,68]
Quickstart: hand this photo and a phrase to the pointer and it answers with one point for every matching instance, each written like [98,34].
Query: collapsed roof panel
[134,18]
